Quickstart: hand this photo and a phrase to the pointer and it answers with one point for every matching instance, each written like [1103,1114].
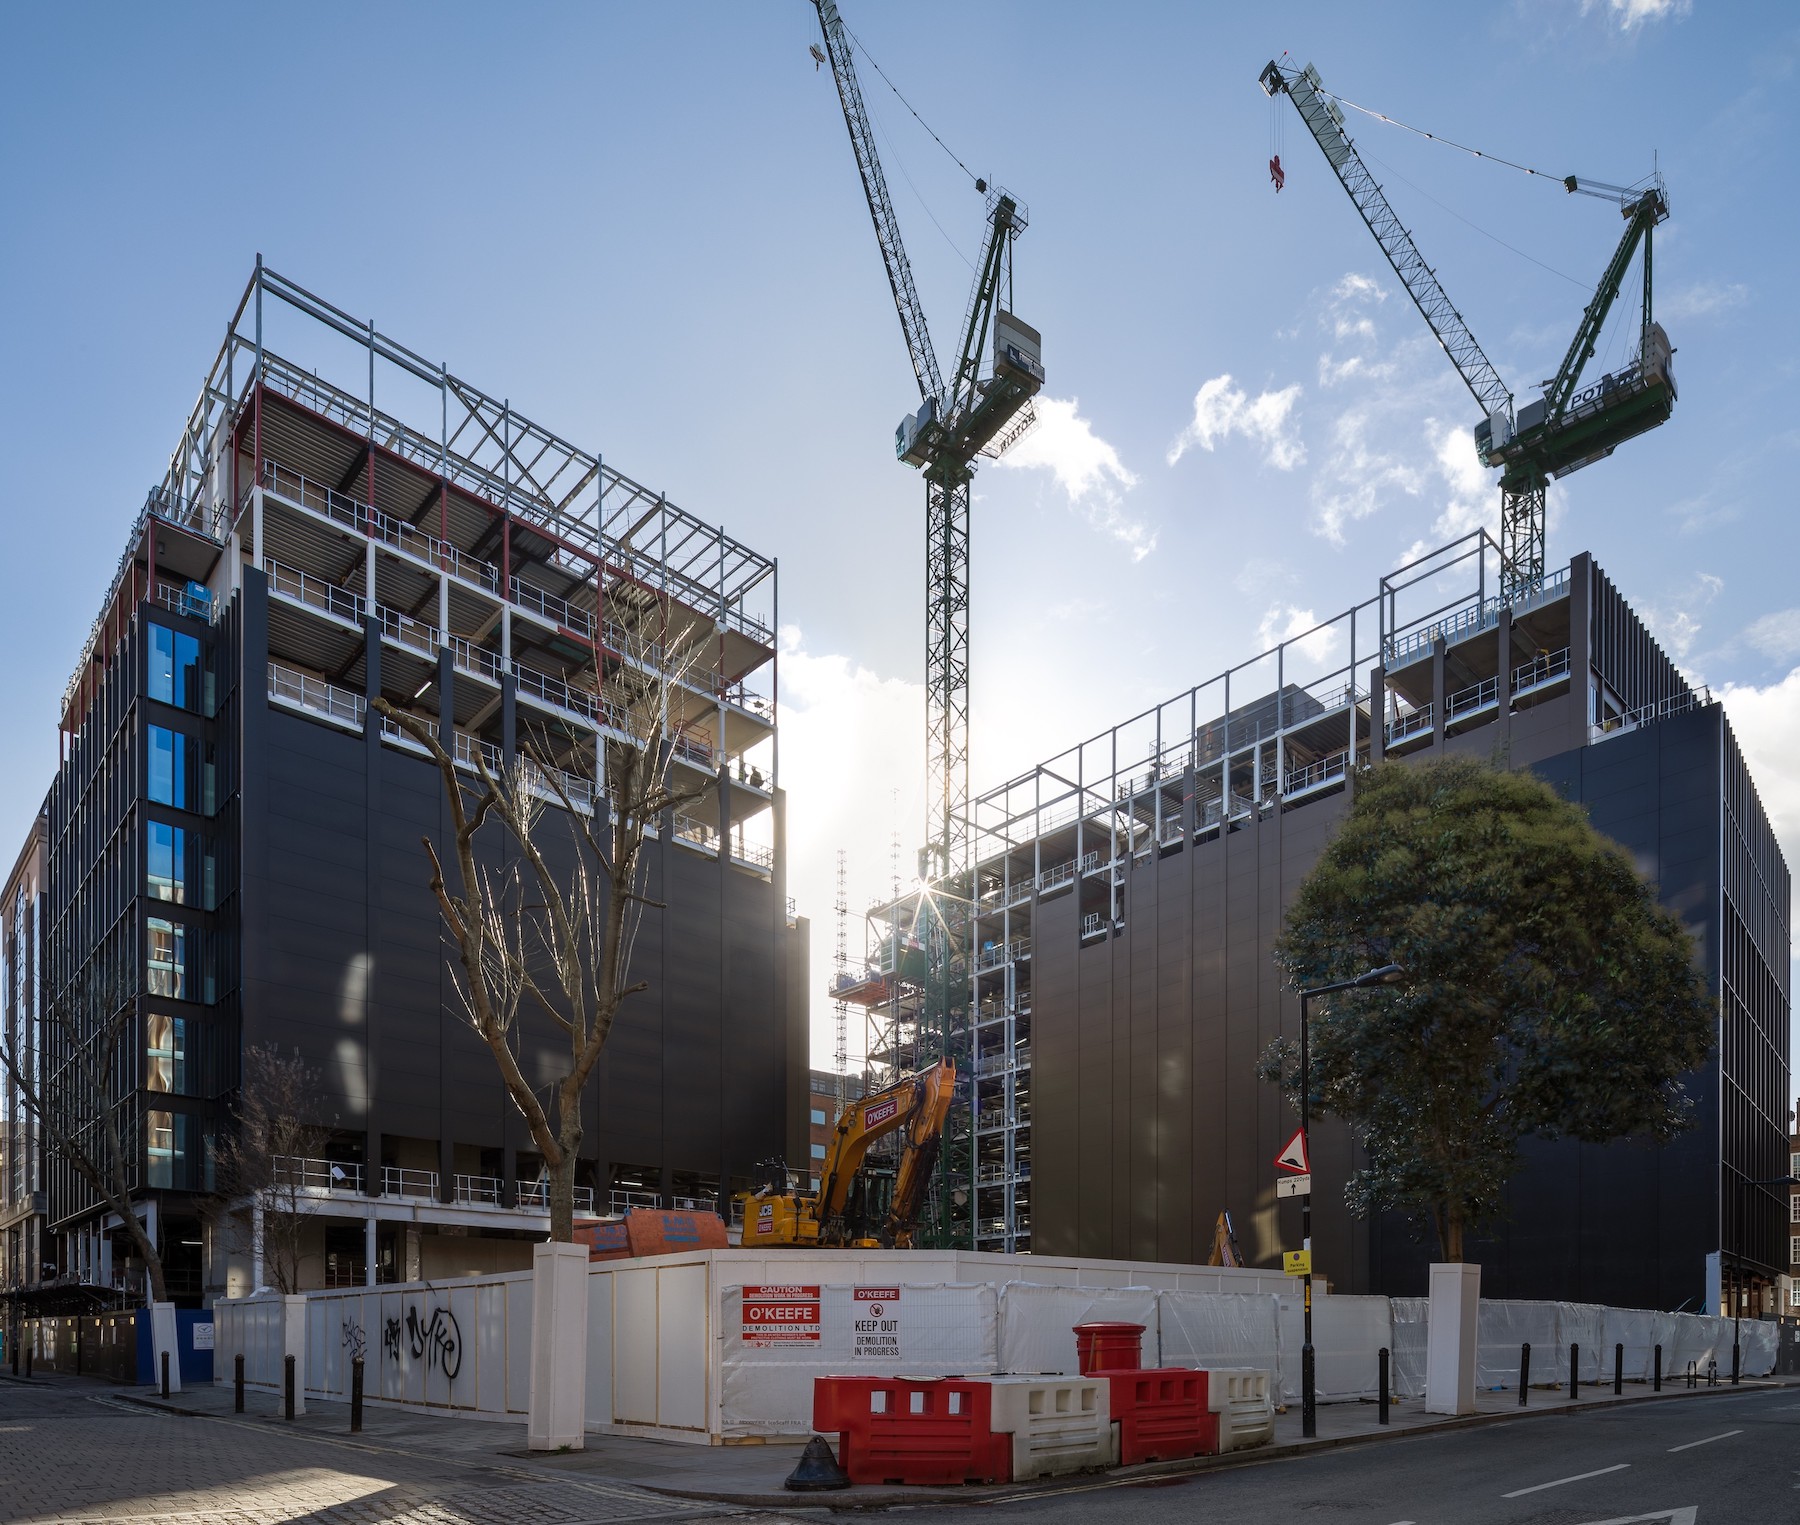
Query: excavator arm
[918,1105]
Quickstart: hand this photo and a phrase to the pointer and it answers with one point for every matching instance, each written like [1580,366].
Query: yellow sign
[1297,1262]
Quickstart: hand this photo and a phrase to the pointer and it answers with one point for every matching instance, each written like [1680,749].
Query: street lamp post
[1737,1290]
[1388,974]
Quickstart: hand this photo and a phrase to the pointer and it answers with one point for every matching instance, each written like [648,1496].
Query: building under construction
[1120,985]
[236,828]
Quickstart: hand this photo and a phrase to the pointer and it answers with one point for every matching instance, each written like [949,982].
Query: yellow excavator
[845,1213]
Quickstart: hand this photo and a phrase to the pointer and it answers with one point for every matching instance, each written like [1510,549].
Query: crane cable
[1382,116]
[909,106]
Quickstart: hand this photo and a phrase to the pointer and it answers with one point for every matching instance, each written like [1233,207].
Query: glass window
[1794,1209]
[167,781]
[818,1151]
[167,1147]
[174,671]
[166,850]
[167,1054]
[818,1118]
[166,967]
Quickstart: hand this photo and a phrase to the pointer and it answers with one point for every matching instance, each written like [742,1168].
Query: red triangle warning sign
[1293,1157]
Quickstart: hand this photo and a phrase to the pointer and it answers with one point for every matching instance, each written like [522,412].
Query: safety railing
[1064,873]
[559,611]
[542,779]
[1476,615]
[696,833]
[1412,723]
[1546,667]
[756,854]
[368,520]
[397,1181]
[392,730]
[622,1200]
[468,748]
[535,1196]
[193,603]
[693,750]
[1661,709]
[479,1190]
[1476,696]
[404,630]
[473,659]
[997,954]
[1092,925]
[292,1171]
[303,588]
[1315,773]
[290,686]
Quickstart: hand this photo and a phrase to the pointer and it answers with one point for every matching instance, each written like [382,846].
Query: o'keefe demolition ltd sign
[875,1323]
[781,1315]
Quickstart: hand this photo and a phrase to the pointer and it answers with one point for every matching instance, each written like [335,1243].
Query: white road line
[1578,1477]
[1707,1442]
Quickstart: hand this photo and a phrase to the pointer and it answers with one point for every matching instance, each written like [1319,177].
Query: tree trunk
[159,1290]
[1453,1233]
[562,1198]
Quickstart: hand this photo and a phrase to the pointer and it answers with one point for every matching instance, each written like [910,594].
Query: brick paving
[73,1452]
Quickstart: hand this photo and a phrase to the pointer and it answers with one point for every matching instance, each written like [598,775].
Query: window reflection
[166,852]
[165,970]
[167,1146]
[166,1054]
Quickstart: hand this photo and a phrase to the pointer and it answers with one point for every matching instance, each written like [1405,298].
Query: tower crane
[984,409]
[1570,426]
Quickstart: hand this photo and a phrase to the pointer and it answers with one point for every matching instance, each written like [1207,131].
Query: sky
[643,225]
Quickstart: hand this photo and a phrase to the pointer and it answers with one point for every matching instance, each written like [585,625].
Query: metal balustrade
[534,1196]
[291,686]
[1476,696]
[1092,924]
[1315,773]
[1548,667]
[1661,709]
[292,1171]
[475,660]
[303,588]
[479,1190]
[756,854]
[1410,724]
[406,1183]
[1003,953]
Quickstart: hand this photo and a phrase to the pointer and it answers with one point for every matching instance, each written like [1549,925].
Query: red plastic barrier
[913,1429]
[1109,1347]
[1162,1415]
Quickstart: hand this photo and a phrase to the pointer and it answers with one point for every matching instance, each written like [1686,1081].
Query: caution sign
[1297,1262]
[875,1323]
[781,1315]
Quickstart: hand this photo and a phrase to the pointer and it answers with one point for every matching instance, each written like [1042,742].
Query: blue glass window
[166,852]
[174,674]
[167,766]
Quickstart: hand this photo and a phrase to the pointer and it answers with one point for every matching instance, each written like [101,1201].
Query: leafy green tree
[1546,993]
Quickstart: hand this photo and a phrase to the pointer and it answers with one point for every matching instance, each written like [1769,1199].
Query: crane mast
[977,415]
[1564,430]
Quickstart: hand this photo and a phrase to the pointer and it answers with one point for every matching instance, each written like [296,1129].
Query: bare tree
[70,1087]
[529,940]
[264,1193]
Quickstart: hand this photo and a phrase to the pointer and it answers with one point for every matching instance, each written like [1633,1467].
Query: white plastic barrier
[1635,1329]
[1347,1332]
[1229,1329]
[250,1327]
[767,1380]
[1057,1424]
[1245,1405]
[1037,1324]
[1411,1317]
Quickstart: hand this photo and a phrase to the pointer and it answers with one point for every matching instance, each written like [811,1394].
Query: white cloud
[1676,624]
[1632,14]
[1221,410]
[1087,468]
[1777,635]
[1282,623]
[1703,299]
[1767,724]
[1355,480]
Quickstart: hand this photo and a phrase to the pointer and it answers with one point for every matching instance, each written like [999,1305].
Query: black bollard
[1618,1370]
[1524,1372]
[1658,1370]
[1381,1362]
[1574,1371]
[818,1471]
[165,1374]
[237,1382]
[287,1386]
[356,1381]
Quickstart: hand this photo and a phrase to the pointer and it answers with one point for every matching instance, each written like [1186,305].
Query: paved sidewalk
[640,1478]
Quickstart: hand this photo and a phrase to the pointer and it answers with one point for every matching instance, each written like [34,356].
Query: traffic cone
[818,1471]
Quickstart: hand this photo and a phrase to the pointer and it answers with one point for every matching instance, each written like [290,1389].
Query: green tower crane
[1570,426]
[985,408]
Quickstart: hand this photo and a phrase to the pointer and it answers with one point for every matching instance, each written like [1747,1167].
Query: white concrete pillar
[369,578]
[443,619]
[1455,1320]
[370,1250]
[256,1246]
[559,1337]
[293,1343]
[162,1338]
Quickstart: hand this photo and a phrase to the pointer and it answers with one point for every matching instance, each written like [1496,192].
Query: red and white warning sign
[1293,1158]
[781,1315]
[875,1323]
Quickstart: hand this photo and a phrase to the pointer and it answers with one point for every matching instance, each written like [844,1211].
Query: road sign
[1297,1262]
[1293,1157]
[1294,1186]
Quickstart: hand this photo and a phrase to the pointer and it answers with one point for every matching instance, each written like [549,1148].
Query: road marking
[1518,1493]
[1683,1516]
[1707,1442]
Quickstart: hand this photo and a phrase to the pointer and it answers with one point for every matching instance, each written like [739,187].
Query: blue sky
[642,224]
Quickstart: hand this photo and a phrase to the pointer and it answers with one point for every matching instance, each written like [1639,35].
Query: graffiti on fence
[390,1339]
[438,1340]
[354,1341]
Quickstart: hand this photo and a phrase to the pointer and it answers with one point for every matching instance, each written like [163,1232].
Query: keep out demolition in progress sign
[781,1315]
[875,1321]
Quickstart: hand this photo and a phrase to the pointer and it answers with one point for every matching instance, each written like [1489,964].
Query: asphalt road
[1717,1460]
